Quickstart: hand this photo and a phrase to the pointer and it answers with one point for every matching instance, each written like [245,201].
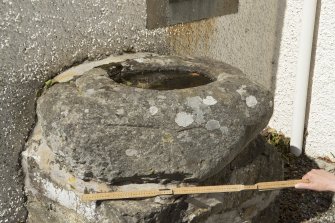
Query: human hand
[319,180]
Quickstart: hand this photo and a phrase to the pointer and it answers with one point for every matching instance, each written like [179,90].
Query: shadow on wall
[312,67]
[281,7]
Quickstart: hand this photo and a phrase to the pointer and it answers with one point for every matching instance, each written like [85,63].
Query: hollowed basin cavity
[161,79]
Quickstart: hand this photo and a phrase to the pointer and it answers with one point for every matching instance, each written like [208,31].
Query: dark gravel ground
[302,206]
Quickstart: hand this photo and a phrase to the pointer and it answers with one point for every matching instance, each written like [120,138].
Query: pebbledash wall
[39,39]
[320,120]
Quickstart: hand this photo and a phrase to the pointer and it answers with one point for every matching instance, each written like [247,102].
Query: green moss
[46,86]
[280,142]
[49,83]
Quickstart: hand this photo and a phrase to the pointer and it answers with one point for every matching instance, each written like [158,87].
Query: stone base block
[55,197]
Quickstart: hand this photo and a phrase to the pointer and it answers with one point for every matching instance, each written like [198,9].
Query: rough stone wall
[40,38]
[320,120]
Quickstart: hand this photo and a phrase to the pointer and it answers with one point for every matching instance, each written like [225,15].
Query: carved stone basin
[147,120]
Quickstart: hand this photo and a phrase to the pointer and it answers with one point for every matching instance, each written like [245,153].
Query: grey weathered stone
[149,121]
[247,168]
[111,132]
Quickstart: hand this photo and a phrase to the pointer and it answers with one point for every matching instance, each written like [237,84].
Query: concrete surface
[38,39]
[320,122]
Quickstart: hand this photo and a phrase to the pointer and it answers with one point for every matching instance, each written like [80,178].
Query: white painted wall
[320,140]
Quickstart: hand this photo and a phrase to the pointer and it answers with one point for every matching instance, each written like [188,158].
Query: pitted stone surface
[111,132]
[53,193]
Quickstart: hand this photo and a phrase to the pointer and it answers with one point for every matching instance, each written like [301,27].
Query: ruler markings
[190,190]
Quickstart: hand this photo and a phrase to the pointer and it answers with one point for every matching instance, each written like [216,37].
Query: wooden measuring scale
[273,185]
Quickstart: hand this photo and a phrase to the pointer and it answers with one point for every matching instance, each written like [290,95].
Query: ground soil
[302,206]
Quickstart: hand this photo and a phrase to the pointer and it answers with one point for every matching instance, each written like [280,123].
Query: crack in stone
[186,129]
[133,126]
[150,178]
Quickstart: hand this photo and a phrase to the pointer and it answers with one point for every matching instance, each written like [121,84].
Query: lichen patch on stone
[212,125]
[224,130]
[209,100]
[167,138]
[194,102]
[251,101]
[184,119]
[153,110]
[120,111]
[197,105]
[242,91]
